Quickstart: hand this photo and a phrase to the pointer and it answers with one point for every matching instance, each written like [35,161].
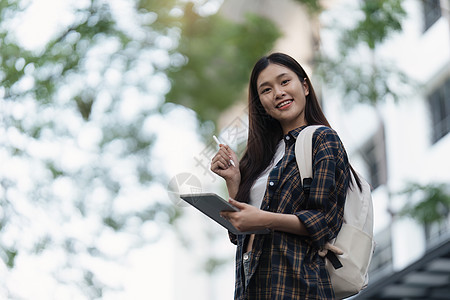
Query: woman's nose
[279,93]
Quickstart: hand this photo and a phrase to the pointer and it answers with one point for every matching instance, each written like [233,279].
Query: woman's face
[283,96]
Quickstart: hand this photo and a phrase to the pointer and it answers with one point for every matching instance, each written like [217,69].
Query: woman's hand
[329,247]
[249,218]
[221,165]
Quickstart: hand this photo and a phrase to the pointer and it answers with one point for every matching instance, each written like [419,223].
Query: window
[374,156]
[431,12]
[439,101]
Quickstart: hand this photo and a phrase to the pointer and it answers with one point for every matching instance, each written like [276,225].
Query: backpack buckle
[307,185]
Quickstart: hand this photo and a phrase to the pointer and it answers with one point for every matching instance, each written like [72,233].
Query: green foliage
[113,222]
[381,19]
[427,204]
[161,9]
[68,153]
[60,57]
[9,256]
[355,69]
[214,263]
[219,56]
[74,155]
[363,82]
[314,6]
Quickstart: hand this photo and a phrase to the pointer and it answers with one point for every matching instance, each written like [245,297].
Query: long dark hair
[264,131]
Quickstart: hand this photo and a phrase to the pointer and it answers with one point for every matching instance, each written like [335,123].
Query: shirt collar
[292,135]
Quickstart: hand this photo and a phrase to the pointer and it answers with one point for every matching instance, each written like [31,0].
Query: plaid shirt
[284,265]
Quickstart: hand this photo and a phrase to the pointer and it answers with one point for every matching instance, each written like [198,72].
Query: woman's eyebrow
[266,82]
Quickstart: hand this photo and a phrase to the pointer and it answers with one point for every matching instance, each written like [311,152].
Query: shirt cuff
[316,226]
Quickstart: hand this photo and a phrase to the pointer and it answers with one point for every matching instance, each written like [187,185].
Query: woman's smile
[284,104]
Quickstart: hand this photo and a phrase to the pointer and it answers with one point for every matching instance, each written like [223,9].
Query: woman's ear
[305,87]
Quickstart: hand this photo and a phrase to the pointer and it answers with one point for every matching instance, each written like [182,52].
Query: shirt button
[271,183]
[288,138]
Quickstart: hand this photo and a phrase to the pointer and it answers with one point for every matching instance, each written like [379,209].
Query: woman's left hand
[249,218]
[329,247]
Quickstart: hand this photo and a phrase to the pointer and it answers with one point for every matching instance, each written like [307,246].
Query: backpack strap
[303,155]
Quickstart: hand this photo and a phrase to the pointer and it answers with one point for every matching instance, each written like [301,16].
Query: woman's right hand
[221,165]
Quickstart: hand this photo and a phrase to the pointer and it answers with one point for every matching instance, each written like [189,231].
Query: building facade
[409,143]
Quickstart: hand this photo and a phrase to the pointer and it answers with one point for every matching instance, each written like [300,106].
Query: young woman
[265,185]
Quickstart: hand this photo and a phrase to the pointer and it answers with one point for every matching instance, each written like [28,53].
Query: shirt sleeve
[324,211]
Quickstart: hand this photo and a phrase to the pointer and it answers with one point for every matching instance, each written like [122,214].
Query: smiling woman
[283,96]
[285,263]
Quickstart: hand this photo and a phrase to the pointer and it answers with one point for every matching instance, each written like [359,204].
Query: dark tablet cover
[211,205]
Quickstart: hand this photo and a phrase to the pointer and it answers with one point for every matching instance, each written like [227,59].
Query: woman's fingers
[323,252]
[219,163]
[230,153]
[334,249]
[329,247]
[237,204]
[225,153]
[221,160]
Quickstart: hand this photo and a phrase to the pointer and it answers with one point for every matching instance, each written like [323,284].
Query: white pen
[218,144]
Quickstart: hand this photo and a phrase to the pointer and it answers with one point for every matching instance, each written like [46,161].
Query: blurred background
[107,111]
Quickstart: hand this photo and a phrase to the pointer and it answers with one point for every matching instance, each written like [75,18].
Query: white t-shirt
[259,187]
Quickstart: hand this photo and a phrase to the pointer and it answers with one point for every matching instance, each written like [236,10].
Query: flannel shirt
[284,265]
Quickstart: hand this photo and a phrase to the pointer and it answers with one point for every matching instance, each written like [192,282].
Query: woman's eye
[284,82]
[265,91]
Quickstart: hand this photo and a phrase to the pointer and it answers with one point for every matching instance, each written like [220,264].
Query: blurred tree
[348,68]
[428,204]
[219,56]
[313,6]
[75,149]
[69,154]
